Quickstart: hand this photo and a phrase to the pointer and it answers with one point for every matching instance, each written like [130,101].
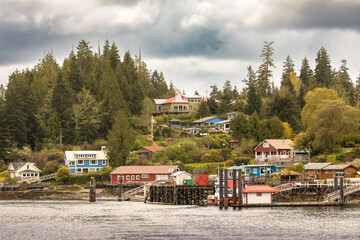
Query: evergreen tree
[305,72]
[196,93]
[226,98]
[204,110]
[114,57]
[240,127]
[251,78]
[253,100]
[289,67]
[264,72]
[214,92]
[213,106]
[323,68]
[120,139]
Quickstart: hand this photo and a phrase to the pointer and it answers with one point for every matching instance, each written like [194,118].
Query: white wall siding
[264,198]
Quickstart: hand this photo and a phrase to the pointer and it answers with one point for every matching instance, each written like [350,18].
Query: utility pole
[309,150]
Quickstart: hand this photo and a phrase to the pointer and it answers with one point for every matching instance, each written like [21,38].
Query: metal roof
[164,169]
[316,166]
[259,189]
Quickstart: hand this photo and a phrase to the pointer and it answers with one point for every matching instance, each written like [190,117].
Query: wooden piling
[92,192]
[221,184]
[335,183]
[341,189]
[226,191]
[234,195]
[240,188]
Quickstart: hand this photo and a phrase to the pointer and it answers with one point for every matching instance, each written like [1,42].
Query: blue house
[261,170]
[206,121]
[85,161]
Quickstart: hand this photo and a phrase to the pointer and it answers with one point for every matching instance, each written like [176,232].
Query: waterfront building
[258,194]
[261,170]
[23,170]
[143,173]
[147,151]
[319,171]
[85,161]
[180,177]
[280,151]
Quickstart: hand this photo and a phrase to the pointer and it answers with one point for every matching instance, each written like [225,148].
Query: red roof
[259,189]
[176,99]
[233,141]
[154,148]
[164,169]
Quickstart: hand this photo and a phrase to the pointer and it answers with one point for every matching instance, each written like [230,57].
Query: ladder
[336,195]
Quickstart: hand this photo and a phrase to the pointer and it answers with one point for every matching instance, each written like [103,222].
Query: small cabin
[175,123]
[180,177]
[259,194]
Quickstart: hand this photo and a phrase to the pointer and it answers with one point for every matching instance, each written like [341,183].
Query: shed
[259,194]
[175,123]
[180,177]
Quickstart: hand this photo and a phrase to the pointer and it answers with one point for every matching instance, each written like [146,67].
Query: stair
[132,192]
[336,195]
[285,187]
[42,178]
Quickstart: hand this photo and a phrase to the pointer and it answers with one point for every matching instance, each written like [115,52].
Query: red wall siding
[269,149]
[151,178]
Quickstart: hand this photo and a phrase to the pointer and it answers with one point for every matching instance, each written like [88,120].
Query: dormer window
[28,167]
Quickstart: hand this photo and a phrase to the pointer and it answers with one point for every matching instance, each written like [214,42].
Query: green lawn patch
[194,165]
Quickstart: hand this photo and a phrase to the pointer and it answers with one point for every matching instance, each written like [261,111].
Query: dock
[290,204]
[179,195]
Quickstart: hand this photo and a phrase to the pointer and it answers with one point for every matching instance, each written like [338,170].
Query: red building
[143,173]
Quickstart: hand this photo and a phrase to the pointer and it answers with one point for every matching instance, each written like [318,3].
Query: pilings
[240,202]
[179,195]
[226,189]
[92,192]
[221,192]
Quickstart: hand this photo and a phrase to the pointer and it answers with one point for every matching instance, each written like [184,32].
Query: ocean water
[132,220]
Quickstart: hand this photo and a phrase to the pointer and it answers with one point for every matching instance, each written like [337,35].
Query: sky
[194,43]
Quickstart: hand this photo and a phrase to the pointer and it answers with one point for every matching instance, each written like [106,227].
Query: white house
[23,170]
[259,194]
[85,161]
[180,177]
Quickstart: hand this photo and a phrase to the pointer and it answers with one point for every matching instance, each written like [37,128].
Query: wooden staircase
[42,178]
[331,197]
[285,187]
[128,194]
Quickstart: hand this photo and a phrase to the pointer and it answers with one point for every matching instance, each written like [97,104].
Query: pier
[179,195]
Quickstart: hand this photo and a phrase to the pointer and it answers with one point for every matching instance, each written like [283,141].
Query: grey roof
[18,165]
[175,120]
[337,167]
[316,166]
[237,168]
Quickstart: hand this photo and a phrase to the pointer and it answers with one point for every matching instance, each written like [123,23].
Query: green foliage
[50,167]
[253,100]
[120,140]
[217,140]
[297,167]
[242,161]
[204,110]
[63,174]
[229,163]
[264,72]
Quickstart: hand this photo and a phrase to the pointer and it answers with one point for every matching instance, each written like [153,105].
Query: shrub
[206,158]
[242,161]
[63,174]
[350,144]
[229,163]
[50,167]
[214,155]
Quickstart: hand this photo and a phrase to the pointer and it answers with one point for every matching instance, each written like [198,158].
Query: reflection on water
[129,220]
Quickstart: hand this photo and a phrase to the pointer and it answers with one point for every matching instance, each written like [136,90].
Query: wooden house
[147,151]
[279,150]
[180,177]
[143,173]
[23,170]
[319,171]
[206,121]
[259,194]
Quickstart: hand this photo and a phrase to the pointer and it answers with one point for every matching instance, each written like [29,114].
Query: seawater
[131,220]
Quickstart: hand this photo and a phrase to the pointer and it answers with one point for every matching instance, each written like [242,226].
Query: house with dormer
[23,170]
[85,161]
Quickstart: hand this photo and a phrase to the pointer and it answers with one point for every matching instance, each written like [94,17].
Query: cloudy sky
[195,43]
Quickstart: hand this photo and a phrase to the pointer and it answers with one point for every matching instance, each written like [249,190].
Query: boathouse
[259,194]
[261,170]
[143,173]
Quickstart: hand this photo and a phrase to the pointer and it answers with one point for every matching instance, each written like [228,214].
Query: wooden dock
[179,195]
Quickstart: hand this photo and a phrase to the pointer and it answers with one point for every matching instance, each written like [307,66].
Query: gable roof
[177,99]
[100,155]
[278,143]
[259,189]
[159,101]
[316,166]
[205,119]
[180,173]
[17,166]
[164,169]
[153,148]
[338,167]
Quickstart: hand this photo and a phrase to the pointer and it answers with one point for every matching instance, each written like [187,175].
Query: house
[180,177]
[85,161]
[23,170]
[143,173]
[206,121]
[175,123]
[321,171]
[231,115]
[223,125]
[261,170]
[178,104]
[279,150]
[147,151]
[259,194]
[194,102]
[231,169]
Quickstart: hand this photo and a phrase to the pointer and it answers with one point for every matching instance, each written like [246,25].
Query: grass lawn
[193,165]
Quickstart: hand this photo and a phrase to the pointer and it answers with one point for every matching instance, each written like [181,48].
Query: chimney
[103,148]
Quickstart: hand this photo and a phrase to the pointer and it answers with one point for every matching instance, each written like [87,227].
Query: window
[347,172]
[145,176]
[327,171]
[103,162]
[78,170]
[93,169]
[266,145]
[262,171]
[80,156]
[333,171]
[32,174]
[35,174]
[127,177]
[137,177]
[93,162]
[28,167]
[80,162]
[85,170]
[258,194]
[307,171]
[24,175]
[132,177]
[284,152]
[71,163]
[254,171]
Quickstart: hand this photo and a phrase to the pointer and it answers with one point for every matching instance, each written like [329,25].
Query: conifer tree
[305,72]
[287,70]
[214,92]
[253,99]
[204,110]
[251,78]
[323,68]
[264,72]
